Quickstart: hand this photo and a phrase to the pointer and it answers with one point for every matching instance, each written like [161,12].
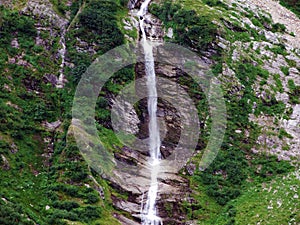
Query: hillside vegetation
[44,178]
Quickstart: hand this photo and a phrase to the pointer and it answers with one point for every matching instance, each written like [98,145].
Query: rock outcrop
[173,189]
[132,3]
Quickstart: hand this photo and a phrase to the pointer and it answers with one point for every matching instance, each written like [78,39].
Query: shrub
[99,17]
[88,213]
[294,92]
[92,198]
[12,215]
[66,205]
[215,3]
[225,175]
[190,29]
[292,5]
[278,49]
[278,27]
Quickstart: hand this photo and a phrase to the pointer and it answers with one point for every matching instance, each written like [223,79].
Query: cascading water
[62,53]
[149,211]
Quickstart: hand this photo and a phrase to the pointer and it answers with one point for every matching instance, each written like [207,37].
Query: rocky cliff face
[173,189]
[254,57]
[274,62]
[278,135]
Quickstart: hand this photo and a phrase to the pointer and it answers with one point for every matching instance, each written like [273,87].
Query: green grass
[272,202]
[30,185]
[204,208]
[294,6]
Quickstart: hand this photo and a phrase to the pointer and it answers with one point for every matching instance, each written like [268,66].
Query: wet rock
[124,220]
[153,28]
[168,71]
[136,183]
[130,207]
[131,4]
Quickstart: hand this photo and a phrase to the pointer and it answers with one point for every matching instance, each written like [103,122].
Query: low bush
[190,29]
[293,5]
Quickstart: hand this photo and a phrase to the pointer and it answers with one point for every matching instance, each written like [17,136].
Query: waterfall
[62,53]
[149,211]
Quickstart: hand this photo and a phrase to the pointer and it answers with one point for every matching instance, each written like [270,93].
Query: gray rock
[169,33]
[14,43]
[43,9]
[5,164]
[271,37]
[222,43]
[129,117]
[131,4]
[284,97]
[51,126]
[124,220]
[14,148]
[153,28]
[51,78]
[191,167]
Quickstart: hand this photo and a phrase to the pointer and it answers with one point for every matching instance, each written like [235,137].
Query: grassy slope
[244,209]
[30,184]
[273,202]
[21,187]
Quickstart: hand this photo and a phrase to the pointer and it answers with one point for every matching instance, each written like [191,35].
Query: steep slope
[46,46]
[257,65]
[44,179]
[283,16]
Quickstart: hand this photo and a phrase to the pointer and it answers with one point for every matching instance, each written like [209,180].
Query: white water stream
[62,53]
[149,211]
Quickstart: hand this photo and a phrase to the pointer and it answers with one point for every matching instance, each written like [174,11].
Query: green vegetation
[190,29]
[36,174]
[235,168]
[44,178]
[292,5]
[100,24]
[11,214]
[278,49]
[278,27]
[278,83]
[215,3]
[60,6]
[294,92]
[266,203]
